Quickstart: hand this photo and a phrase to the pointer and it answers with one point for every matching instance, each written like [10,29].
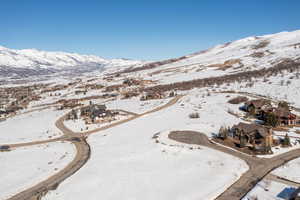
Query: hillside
[244,55]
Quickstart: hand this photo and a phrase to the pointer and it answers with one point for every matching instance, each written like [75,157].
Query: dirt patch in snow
[238,100]
[261,44]
[258,54]
[189,137]
[227,64]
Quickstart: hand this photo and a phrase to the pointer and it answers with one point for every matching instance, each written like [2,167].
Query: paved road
[83,153]
[258,167]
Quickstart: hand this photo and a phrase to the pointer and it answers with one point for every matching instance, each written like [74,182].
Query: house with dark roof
[255,136]
[257,105]
[94,111]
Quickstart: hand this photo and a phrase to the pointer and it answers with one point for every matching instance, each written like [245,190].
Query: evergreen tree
[223,132]
[286,141]
[251,110]
[242,141]
[271,120]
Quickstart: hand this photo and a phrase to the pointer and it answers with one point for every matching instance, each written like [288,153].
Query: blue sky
[151,30]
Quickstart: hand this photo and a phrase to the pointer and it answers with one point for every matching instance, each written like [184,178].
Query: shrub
[194,115]
[286,141]
[223,132]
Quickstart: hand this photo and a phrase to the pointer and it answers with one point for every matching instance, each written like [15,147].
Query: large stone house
[94,111]
[252,135]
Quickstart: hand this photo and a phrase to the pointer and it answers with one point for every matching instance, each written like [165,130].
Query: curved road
[258,167]
[83,153]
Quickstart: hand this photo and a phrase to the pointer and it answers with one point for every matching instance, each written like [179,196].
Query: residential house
[285,116]
[257,105]
[252,135]
[94,111]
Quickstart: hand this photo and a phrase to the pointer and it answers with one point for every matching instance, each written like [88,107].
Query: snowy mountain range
[29,62]
[248,54]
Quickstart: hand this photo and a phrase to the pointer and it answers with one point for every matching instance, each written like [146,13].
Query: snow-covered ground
[289,171]
[135,105]
[269,190]
[280,88]
[24,167]
[213,111]
[128,164]
[38,125]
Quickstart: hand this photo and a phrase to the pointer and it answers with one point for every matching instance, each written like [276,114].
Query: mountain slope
[248,54]
[28,62]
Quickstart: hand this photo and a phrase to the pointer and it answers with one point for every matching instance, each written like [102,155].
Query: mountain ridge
[29,62]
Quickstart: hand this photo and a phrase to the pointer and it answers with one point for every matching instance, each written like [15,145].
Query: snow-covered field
[128,164]
[24,167]
[213,111]
[279,88]
[38,125]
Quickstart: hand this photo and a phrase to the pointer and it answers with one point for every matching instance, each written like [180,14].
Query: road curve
[258,167]
[82,154]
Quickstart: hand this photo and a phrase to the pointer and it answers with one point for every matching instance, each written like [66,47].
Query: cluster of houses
[13,99]
[262,109]
[259,137]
